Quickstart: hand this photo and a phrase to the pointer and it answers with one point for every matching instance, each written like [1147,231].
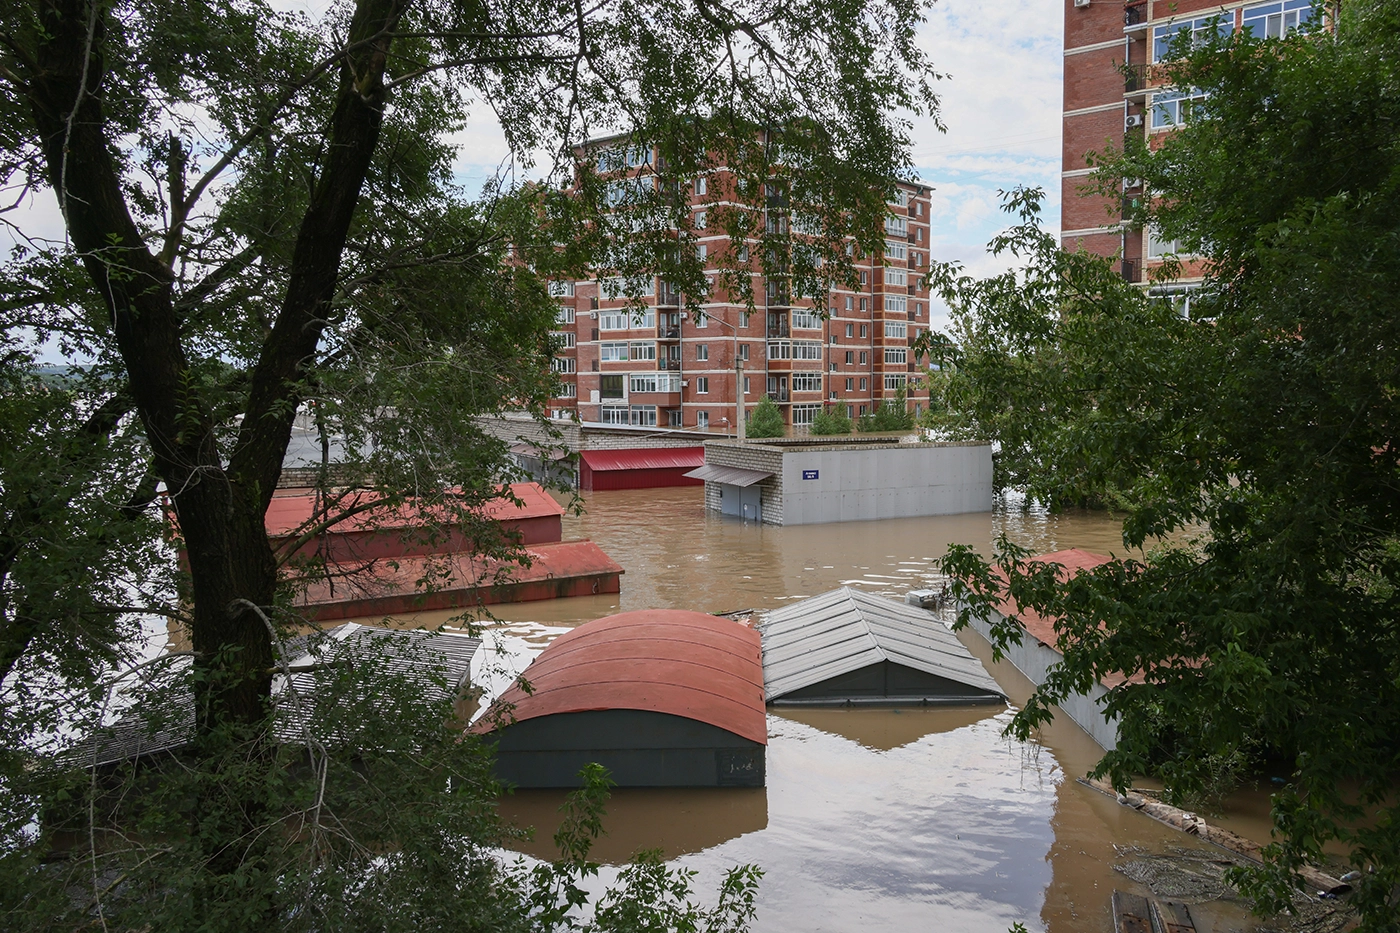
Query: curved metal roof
[672,661]
[845,630]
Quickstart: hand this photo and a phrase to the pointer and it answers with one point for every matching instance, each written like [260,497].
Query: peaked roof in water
[663,660]
[845,630]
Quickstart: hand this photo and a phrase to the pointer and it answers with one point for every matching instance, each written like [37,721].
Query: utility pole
[739,392]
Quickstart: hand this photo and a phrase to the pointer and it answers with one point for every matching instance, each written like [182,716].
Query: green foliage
[1263,414]
[893,414]
[766,420]
[831,420]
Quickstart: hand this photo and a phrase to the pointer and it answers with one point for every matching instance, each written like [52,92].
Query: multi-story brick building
[1104,101]
[666,367]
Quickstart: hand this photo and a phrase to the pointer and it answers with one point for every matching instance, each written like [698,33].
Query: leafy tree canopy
[831,420]
[1256,421]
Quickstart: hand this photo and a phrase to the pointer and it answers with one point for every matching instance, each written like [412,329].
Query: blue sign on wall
[809,474]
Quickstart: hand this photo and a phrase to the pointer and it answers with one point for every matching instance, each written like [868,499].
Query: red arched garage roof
[688,664]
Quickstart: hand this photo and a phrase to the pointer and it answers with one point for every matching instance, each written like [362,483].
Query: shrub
[766,419]
[893,415]
[831,420]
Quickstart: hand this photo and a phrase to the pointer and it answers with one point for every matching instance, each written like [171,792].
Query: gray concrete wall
[885,481]
[761,457]
[1034,658]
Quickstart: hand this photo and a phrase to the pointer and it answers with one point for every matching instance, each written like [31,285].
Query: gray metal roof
[414,654]
[845,630]
[732,476]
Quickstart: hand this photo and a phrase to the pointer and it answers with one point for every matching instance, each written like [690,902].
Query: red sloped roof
[288,513]
[671,661]
[644,458]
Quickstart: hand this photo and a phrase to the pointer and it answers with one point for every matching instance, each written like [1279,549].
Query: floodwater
[898,819]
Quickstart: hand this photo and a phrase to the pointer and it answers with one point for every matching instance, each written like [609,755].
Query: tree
[892,414]
[261,224]
[766,420]
[831,420]
[1261,415]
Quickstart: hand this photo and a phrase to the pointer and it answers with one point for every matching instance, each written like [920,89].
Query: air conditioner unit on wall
[1132,120]
[1081,3]
[1130,183]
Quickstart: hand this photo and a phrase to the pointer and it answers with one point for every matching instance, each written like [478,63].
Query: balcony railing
[1134,78]
[668,364]
[1134,16]
[780,395]
[778,330]
[1130,271]
[670,333]
[668,299]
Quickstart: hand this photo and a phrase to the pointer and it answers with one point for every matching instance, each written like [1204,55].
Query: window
[615,319]
[896,277]
[901,197]
[895,381]
[897,355]
[1173,108]
[747,390]
[702,186]
[564,316]
[701,220]
[561,289]
[833,367]
[896,330]
[744,352]
[612,352]
[654,382]
[807,320]
[896,304]
[850,303]
[644,415]
[862,331]
[569,390]
[702,385]
[744,321]
[806,382]
[919,260]
[806,350]
[850,330]
[863,278]
[620,286]
[894,250]
[918,309]
[1199,29]
[850,411]
[704,320]
[641,351]
[779,350]
[1158,248]
[610,386]
[850,357]
[702,252]
[897,226]
[702,351]
[862,357]
[614,414]
[563,364]
[1277,20]
[566,339]
[625,190]
[862,388]
[833,338]
[850,385]
[862,308]
[805,414]
[702,419]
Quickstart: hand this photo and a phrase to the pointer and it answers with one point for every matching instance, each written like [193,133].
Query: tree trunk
[220,511]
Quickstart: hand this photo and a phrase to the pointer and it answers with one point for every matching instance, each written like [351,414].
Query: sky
[1001,105]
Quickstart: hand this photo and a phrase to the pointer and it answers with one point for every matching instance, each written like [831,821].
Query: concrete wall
[860,481]
[1034,658]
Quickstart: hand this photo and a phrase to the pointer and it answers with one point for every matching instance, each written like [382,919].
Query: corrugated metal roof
[418,655]
[732,476]
[643,458]
[845,630]
[671,661]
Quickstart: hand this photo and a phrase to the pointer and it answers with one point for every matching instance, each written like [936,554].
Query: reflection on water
[899,819]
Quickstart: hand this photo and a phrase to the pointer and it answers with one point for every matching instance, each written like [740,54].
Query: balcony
[1130,271]
[668,333]
[668,364]
[1134,17]
[778,330]
[781,395]
[666,298]
[913,315]
[913,289]
[1134,80]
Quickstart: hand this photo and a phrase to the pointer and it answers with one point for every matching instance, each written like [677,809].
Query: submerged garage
[846,647]
[661,698]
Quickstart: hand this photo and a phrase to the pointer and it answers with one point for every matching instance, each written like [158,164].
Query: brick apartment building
[1105,101]
[664,368]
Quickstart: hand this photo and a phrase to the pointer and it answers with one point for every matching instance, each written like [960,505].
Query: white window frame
[896,356]
[806,382]
[896,330]
[612,352]
[806,320]
[702,385]
[896,381]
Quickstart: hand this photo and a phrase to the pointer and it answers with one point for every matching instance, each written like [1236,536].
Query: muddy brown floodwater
[872,819]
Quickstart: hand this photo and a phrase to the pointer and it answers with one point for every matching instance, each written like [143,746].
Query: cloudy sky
[1001,105]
